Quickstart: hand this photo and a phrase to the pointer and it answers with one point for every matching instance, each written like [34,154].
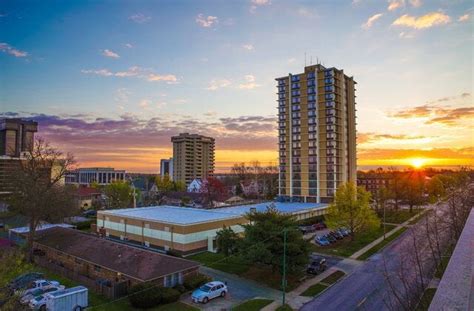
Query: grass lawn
[346,247]
[235,265]
[400,216]
[252,305]
[425,301]
[314,290]
[333,277]
[124,305]
[381,245]
[444,263]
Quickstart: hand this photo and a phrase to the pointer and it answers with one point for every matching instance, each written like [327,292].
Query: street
[366,288]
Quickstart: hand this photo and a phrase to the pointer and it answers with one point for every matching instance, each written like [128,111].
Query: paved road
[365,288]
[239,290]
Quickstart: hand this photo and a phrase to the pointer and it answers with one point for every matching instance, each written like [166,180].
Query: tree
[179,185]
[213,190]
[380,198]
[414,189]
[435,189]
[38,189]
[397,186]
[164,184]
[119,193]
[351,209]
[226,240]
[263,240]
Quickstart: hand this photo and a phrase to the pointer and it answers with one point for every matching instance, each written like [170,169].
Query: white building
[166,168]
[100,175]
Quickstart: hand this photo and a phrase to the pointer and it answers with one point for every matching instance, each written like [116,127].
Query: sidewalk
[379,240]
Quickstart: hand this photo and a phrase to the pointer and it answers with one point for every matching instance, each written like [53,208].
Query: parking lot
[240,290]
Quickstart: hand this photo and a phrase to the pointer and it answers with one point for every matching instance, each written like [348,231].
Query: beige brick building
[193,157]
[317,133]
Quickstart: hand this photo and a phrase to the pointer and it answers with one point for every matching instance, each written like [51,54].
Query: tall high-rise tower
[317,133]
[193,157]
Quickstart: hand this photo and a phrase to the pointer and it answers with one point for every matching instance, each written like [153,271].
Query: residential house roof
[134,262]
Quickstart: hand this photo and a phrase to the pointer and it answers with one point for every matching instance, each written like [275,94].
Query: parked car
[90,213]
[306,229]
[337,235]
[319,226]
[330,238]
[41,284]
[316,266]
[343,231]
[26,298]
[24,280]
[321,240]
[209,291]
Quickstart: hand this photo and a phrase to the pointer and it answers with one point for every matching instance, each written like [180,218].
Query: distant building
[16,141]
[193,157]
[317,133]
[195,186]
[85,196]
[166,167]
[373,182]
[99,175]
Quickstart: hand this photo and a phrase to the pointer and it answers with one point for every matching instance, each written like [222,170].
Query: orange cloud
[424,21]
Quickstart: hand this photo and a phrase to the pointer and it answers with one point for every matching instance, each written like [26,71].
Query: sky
[112,81]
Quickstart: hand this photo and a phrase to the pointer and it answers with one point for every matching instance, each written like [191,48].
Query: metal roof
[186,215]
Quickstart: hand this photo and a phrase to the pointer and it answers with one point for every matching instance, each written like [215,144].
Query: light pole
[384,221]
[283,280]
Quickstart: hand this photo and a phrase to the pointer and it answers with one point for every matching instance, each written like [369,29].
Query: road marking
[361,302]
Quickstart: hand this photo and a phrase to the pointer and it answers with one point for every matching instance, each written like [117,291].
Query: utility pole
[384,221]
[283,280]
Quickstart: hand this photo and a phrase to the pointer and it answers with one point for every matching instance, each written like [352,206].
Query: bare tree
[39,192]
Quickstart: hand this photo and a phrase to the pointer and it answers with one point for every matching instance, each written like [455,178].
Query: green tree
[227,241]
[119,194]
[263,240]
[351,209]
[436,189]
[179,186]
[415,185]
[164,184]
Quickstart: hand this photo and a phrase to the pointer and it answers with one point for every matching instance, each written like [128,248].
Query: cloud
[464,18]
[215,84]
[134,71]
[406,35]
[121,95]
[6,48]
[371,20]
[109,53]
[128,45]
[144,103]
[206,22]
[307,12]
[396,4]
[437,112]
[424,21]
[365,138]
[256,3]
[249,83]
[291,60]
[140,18]
[248,47]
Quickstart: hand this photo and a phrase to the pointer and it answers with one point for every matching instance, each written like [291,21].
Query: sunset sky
[111,81]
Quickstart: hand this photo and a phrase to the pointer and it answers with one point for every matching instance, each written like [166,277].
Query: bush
[180,288]
[169,295]
[174,253]
[145,295]
[194,281]
[83,225]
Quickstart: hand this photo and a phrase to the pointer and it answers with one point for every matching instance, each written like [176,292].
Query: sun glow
[417,162]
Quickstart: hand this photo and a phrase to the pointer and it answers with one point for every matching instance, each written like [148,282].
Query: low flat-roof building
[187,230]
[91,260]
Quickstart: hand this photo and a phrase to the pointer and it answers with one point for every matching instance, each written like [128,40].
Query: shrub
[145,295]
[195,281]
[180,288]
[83,225]
[174,253]
[169,295]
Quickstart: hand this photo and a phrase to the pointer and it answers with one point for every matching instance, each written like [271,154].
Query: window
[296,115]
[329,81]
[311,90]
[312,105]
[311,97]
[328,73]
[281,96]
[295,107]
[330,96]
[295,78]
[310,75]
[295,93]
[312,121]
[297,137]
[295,100]
[295,85]
[311,83]
[311,113]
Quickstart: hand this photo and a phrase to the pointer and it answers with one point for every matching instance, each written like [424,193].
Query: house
[196,185]
[91,260]
[85,196]
[251,188]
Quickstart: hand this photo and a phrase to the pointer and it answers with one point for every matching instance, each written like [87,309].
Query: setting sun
[417,162]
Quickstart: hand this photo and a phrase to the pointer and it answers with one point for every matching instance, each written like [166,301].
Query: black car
[90,213]
[316,266]
[337,235]
[330,238]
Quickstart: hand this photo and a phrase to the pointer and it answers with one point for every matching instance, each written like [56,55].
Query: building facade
[16,141]
[193,157]
[166,167]
[100,175]
[317,133]
[187,230]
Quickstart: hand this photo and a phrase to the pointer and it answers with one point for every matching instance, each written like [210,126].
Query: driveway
[240,289]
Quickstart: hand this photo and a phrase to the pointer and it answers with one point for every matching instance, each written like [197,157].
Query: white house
[195,185]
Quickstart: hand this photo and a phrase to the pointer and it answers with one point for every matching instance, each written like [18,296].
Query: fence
[115,290]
